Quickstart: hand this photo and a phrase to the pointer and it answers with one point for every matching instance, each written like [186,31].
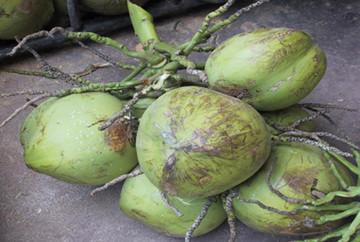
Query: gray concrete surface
[37,208]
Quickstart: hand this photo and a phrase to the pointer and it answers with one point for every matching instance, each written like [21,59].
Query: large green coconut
[298,171]
[196,142]
[109,7]
[269,68]
[61,138]
[141,200]
[21,17]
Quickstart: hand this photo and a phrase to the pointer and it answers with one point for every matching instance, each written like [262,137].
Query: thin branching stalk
[308,118]
[199,36]
[231,219]
[199,218]
[55,72]
[327,106]
[27,72]
[24,92]
[126,109]
[335,171]
[106,41]
[350,192]
[134,173]
[33,36]
[105,57]
[335,137]
[338,216]
[23,107]
[351,230]
[321,145]
[346,163]
[330,207]
[220,25]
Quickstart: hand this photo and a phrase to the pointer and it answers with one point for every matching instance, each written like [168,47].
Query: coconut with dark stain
[61,139]
[193,129]
[296,170]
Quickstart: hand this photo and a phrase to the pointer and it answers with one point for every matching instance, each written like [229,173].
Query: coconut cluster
[193,143]
[195,155]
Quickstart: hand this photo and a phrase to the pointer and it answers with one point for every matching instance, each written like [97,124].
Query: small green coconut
[21,17]
[61,138]
[287,117]
[109,7]
[271,69]
[140,107]
[195,142]
[298,172]
[141,200]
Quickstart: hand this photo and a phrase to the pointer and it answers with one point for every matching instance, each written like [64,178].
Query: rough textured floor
[37,208]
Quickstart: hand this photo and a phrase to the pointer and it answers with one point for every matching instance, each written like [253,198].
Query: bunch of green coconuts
[233,145]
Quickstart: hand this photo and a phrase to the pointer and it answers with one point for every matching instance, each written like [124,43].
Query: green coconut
[196,142]
[297,171]
[141,200]
[109,7]
[286,117]
[61,138]
[271,69]
[140,107]
[21,17]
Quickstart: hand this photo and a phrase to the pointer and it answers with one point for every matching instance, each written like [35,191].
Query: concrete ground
[37,208]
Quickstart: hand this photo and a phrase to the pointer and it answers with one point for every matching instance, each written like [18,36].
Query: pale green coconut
[21,17]
[141,200]
[61,138]
[271,69]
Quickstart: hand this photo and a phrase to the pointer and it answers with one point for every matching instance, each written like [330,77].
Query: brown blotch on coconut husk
[117,135]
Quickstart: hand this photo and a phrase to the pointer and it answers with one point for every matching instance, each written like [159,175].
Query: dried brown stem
[37,35]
